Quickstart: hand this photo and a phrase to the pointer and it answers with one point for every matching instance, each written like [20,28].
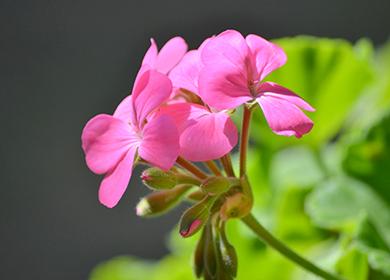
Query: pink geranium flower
[111,143]
[232,74]
[205,133]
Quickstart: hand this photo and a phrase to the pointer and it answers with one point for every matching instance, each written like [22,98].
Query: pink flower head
[232,74]
[165,59]
[205,134]
[110,143]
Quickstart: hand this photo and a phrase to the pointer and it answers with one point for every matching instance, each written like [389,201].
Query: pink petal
[150,57]
[170,54]
[284,117]
[267,55]
[160,142]
[185,75]
[105,140]
[150,91]
[226,72]
[272,89]
[115,182]
[210,137]
[125,111]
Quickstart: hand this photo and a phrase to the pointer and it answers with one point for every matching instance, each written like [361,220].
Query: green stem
[268,238]
[213,167]
[246,118]
[227,165]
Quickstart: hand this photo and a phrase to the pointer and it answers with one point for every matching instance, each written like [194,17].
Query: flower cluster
[179,111]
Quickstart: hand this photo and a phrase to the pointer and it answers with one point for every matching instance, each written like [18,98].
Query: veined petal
[212,136]
[272,89]
[125,111]
[284,117]
[226,71]
[170,54]
[150,91]
[186,73]
[267,55]
[160,142]
[116,181]
[105,140]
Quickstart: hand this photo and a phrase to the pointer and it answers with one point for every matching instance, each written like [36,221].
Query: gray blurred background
[61,62]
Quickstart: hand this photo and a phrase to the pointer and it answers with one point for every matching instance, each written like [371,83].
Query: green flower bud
[237,205]
[158,179]
[194,217]
[210,254]
[228,254]
[215,185]
[160,202]
[197,195]
[199,255]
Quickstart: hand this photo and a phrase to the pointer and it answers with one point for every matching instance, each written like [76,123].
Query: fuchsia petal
[185,74]
[284,117]
[116,181]
[267,55]
[105,140]
[223,80]
[183,114]
[272,89]
[150,57]
[151,90]
[170,54]
[125,111]
[210,137]
[160,142]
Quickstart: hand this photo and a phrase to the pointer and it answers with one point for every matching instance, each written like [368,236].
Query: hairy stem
[191,168]
[268,238]
[246,118]
[227,165]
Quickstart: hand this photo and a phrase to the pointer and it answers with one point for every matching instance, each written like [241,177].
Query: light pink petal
[160,142]
[272,89]
[226,72]
[185,75]
[170,54]
[210,137]
[151,90]
[183,114]
[125,111]
[150,57]
[267,55]
[105,140]
[115,182]
[284,117]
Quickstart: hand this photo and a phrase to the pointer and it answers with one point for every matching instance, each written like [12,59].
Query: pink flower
[232,74]
[205,134]
[111,143]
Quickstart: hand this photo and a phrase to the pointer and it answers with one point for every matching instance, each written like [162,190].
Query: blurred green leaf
[353,265]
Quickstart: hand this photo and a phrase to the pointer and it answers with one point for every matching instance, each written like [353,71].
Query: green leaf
[353,265]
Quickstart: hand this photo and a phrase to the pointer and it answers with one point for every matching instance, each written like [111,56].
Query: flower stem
[227,165]
[191,168]
[268,238]
[246,118]
[213,167]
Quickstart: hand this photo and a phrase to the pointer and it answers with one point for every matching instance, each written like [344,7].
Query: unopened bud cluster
[214,200]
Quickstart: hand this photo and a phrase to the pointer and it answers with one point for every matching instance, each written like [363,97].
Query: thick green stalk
[269,239]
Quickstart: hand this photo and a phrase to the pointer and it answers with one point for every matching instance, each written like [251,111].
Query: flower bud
[158,179]
[228,254]
[216,185]
[194,218]
[159,202]
[199,255]
[210,254]
[237,205]
[197,195]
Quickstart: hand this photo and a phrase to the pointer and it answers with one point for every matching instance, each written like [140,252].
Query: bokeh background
[61,62]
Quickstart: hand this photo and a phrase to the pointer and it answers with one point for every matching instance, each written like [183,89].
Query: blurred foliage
[326,195]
